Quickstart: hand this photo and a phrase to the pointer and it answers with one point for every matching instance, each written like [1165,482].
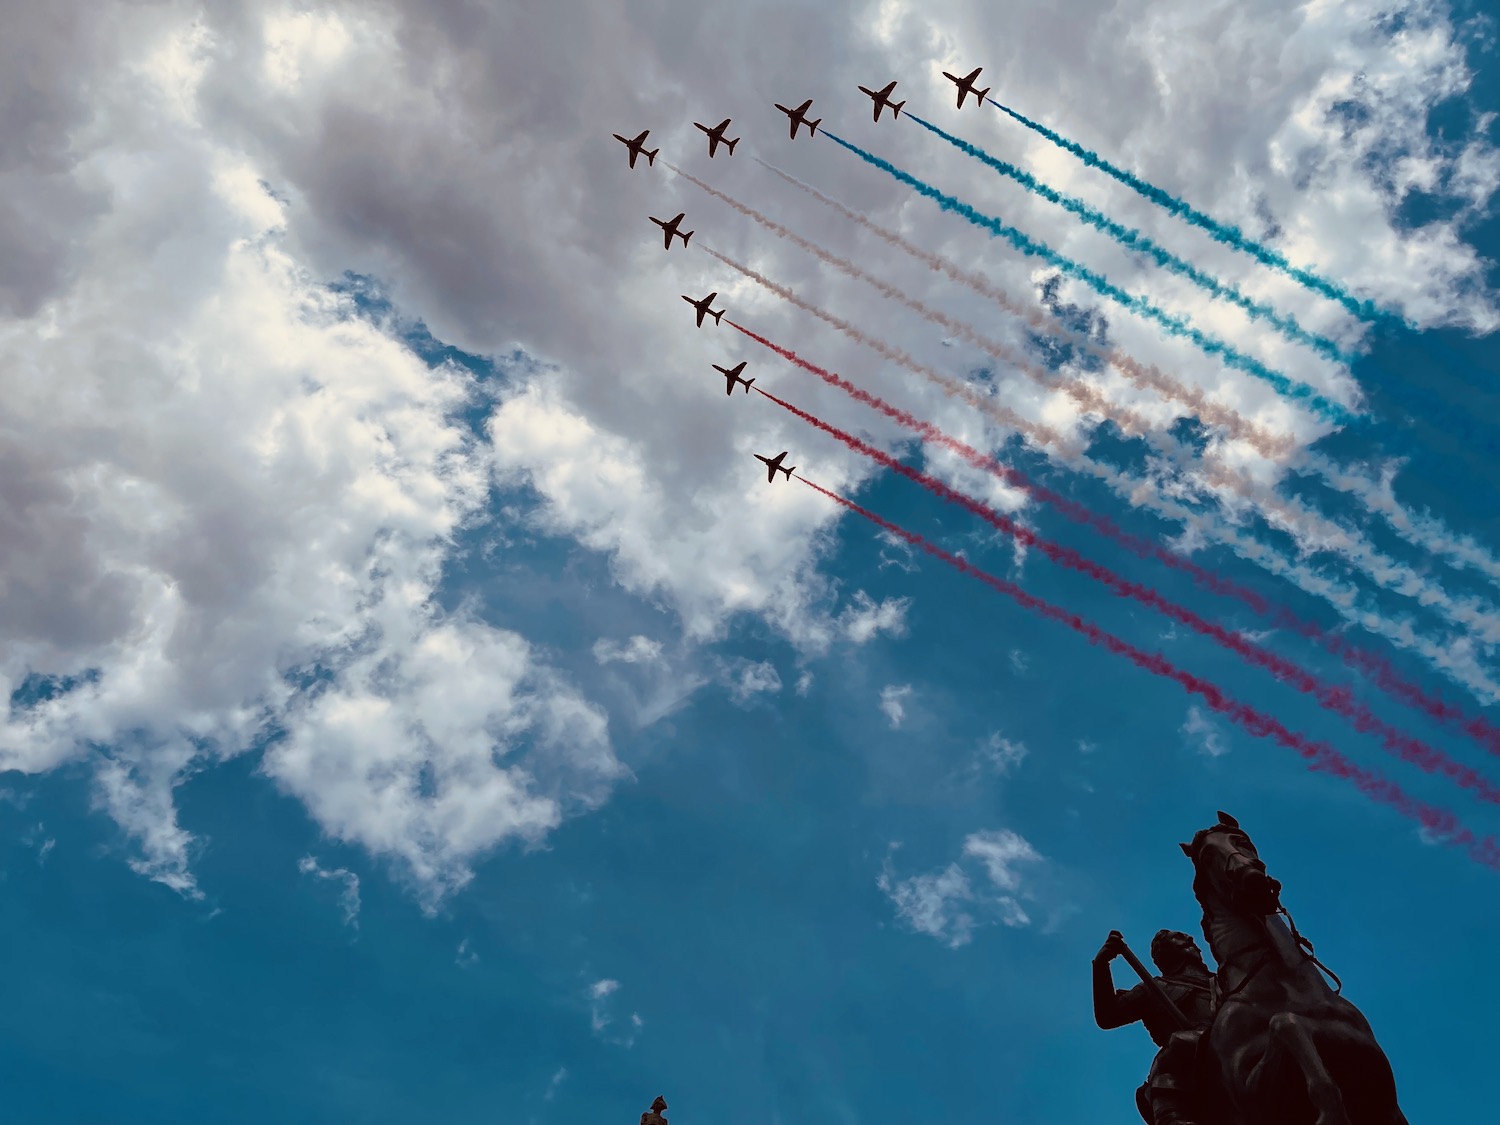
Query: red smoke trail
[1323,757]
[1336,699]
[1369,664]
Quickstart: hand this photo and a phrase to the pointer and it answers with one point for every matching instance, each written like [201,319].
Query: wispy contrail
[981,400]
[1143,493]
[1451,656]
[1339,700]
[1289,514]
[1135,240]
[1173,325]
[1220,232]
[1374,667]
[1422,531]
[1088,397]
[1142,376]
[1322,757]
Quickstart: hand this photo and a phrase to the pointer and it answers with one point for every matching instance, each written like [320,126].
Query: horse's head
[1228,865]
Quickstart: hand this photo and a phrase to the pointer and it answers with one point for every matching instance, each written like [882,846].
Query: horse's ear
[1187,849]
[1227,821]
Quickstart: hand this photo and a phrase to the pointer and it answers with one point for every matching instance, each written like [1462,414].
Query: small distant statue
[1176,1007]
[653,1116]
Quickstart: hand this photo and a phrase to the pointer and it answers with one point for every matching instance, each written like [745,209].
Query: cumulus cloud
[933,904]
[637,650]
[746,679]
[866,618]
[237,498]
[226,501]
[947,905]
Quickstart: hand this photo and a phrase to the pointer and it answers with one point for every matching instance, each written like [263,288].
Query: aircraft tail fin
[718,316]
[812,127]
[748,384]
[984,93]
[651,156]
[686,237]
[896,109]
[731,145]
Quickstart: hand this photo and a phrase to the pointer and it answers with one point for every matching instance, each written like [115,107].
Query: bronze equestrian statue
[1267,1042]
[1284,1046]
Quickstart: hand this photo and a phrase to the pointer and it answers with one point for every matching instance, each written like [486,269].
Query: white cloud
[214,477]
[224,476]
[945,903]
[1000,850]
[1203,734]
[893,703]
[866,618]
[554,1082]
[804,683]
[349,881]
[1001,754]
[637,650]
[465,958]
[747,679]
[933,904]
[600,1017]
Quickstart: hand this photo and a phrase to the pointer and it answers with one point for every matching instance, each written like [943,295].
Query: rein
[1307,950]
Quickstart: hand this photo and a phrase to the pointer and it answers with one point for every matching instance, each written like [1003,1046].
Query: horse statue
[1283,1047]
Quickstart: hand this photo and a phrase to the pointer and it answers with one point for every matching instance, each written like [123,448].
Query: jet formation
[732,377]
[796,118]
[883,100]
[799,117]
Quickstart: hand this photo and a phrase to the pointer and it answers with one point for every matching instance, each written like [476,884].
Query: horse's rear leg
[1291,1032]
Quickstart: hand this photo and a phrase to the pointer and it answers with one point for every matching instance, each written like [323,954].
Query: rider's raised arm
[1116,1007]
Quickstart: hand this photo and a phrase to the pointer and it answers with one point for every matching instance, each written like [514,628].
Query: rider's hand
[1113,947]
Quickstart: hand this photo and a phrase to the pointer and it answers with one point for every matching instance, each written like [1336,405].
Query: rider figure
[1166,1098]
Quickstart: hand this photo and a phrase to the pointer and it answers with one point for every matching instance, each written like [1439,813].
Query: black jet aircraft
[716,137]
[670,228]
[732,376]
[638,146]
[799,117]
[703,309]
[883,99]
[966,87]
[773,466]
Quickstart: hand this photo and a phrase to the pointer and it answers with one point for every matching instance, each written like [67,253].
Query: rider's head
[1173,951]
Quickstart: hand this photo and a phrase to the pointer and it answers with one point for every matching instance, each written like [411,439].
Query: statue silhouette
[1283,1046]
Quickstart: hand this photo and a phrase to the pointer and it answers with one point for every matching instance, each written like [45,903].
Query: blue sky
[423,710]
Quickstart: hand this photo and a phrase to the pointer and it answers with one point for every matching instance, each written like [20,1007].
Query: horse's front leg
[1292,1065]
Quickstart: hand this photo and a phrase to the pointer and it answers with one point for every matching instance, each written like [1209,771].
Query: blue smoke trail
[1175,326]
[1135,240]
[1220,232]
